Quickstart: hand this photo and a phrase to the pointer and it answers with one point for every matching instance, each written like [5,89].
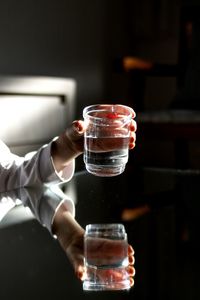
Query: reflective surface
[160,211]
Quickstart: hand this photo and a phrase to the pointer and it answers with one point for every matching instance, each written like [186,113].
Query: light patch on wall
[30,118]
[35,109]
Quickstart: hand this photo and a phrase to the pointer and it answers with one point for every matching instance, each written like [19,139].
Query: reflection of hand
[71,236]
[117,254]
[75,254]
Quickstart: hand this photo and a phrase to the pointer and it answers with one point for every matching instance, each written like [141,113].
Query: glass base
[118,286]
[105,171]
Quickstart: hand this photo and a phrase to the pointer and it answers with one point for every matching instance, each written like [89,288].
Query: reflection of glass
[106,138]
[106,257]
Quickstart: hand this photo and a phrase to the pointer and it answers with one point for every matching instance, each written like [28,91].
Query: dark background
[81,39]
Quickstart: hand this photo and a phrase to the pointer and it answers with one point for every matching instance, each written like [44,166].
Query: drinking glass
[106,139]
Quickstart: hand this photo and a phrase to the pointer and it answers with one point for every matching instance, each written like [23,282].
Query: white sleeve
[32,169]
[45,202]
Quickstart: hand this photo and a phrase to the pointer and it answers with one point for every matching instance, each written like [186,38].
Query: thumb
[80,272]
[79,126]
[76,130]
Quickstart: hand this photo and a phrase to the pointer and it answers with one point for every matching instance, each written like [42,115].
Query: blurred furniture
[139,69]
[168,139]
[178,126]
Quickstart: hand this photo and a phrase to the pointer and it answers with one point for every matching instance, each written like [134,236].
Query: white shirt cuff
[48,172]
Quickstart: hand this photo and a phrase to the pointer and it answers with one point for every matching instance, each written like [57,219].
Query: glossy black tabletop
[160,210]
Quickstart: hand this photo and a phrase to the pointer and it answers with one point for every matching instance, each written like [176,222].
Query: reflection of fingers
[130,250]
[131,271]
[131,253]
[131,282]
[81,273]
[131,259]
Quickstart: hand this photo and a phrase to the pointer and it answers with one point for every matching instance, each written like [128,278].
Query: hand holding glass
[106,139]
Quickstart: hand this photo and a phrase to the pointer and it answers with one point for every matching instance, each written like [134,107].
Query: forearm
[65,227]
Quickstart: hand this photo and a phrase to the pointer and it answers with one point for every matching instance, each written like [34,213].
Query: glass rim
[106,226]
[91,107]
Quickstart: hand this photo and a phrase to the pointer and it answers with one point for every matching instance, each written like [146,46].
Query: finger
[131,271]
[131,282]
[131,260]
[130,250]
[132,136]
[133,114]
[131,257]
[133,125]
[75,131]
[131,145]
[80,272]
[78,127]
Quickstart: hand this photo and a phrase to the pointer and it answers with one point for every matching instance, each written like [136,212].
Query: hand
[70,144]
[75,138]
[71,237]
[112,138]
[75,254]
[101,252]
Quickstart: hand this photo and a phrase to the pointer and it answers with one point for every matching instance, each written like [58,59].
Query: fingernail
[77,127]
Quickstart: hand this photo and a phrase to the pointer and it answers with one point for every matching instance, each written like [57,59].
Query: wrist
[62,153]
[65,227]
